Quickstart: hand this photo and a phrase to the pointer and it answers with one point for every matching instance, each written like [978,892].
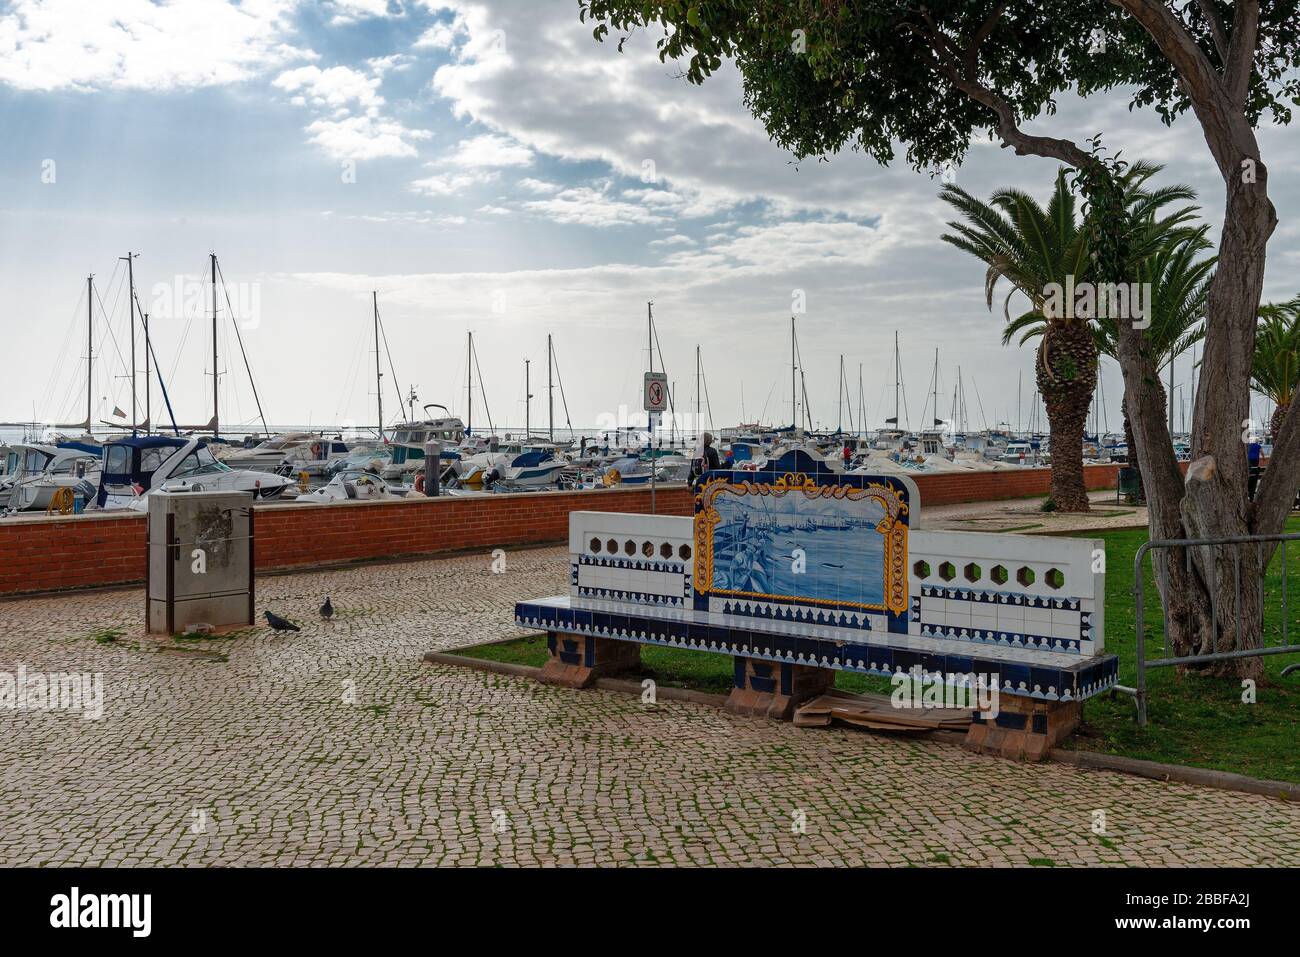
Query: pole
[130,272]
[550,393]
[794,401]
[697,391]
[216,408]
[379,391]
[469,383]
[839,400]
[90,343]
[1171,394]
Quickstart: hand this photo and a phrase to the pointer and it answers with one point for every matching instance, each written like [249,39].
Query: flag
[118,413]
[893,421]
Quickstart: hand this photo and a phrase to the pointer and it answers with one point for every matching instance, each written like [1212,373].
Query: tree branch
[1240,61]
[1224,124]
[1216,28]
[942,54]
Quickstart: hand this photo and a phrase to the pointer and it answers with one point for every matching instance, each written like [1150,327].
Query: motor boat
[34,473]
[409,438]
[134,467]
[352,485]
[535,467]
[287,454]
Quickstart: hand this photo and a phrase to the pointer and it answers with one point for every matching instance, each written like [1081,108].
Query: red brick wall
[44,554]
[951,488]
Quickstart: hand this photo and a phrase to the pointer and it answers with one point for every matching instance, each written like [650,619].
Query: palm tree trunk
[1067,376]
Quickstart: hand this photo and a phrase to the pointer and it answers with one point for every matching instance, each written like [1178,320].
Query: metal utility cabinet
[200,561]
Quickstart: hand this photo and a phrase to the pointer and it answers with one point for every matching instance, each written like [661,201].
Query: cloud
[585,206]
[142,45]
[364,137]
[491,151]
[449,184]
[354,127]
[337,86]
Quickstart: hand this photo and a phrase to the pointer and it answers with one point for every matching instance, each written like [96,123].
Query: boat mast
[379,389]
[794,401]
[862,408]
[934,419]
[550,393]
[650,347]
[90,343]
[148,405]
[469,383]
[216,409]
[697,390]
[839,399]
[130,272]
[898,424]
[528,401]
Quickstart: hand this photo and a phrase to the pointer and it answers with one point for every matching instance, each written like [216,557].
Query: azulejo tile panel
[796,533]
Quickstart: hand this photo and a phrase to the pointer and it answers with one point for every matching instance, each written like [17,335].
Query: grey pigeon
[278,623]
[327,610]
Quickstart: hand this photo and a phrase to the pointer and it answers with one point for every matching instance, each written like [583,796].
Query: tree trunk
[1212,595]
[1275,423]
[1188,612]
[1067,375]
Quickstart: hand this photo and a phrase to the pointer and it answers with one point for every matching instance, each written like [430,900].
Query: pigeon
[278,623]
[327,610]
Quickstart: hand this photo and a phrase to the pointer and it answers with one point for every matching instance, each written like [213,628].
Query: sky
[484,167]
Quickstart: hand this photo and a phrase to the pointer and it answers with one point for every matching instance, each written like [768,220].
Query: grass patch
[107,636]
[1193,720]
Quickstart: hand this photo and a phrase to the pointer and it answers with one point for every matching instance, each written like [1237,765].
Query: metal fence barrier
[1140,692]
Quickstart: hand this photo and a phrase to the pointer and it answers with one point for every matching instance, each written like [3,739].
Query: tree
[823,75]
[1037,249]
[1276,369]
[1180,284]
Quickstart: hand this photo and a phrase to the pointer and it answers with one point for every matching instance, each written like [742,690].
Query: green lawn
[1192,720]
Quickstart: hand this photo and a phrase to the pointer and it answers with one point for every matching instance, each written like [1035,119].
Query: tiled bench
[798,572]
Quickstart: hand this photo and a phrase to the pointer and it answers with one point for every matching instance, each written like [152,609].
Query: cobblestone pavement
[1026,515]
[246,750]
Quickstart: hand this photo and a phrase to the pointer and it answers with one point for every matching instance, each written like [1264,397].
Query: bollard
[432,467]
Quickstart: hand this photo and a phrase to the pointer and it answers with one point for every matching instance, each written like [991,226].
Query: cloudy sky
[482,166]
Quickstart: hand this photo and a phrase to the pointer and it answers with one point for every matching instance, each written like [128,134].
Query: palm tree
[1276,370]
[1036,250]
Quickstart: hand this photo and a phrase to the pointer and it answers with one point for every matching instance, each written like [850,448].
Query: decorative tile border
[1087,678]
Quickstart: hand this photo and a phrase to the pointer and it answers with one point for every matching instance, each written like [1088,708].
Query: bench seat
[1023,671]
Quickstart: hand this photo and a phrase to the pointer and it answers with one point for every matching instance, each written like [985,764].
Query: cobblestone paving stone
[250,754]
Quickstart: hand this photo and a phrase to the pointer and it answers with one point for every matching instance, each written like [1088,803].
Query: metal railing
[1140,692]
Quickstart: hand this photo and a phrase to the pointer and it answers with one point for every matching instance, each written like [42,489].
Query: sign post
[656,400]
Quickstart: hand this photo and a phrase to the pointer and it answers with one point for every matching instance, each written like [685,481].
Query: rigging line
[482,391]
[185,333]
[56,376]
[109,327]
[981,403]
[568,421]
[349,384]
[708,405]
[383,334]
[230,309]
[663,367]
